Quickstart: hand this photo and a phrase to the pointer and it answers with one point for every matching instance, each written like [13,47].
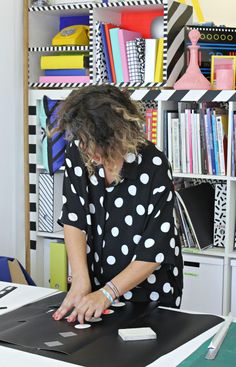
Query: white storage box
[203,284]
[50,202]
[233,288]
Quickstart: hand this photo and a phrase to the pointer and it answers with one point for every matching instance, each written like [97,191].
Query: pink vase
[193,77]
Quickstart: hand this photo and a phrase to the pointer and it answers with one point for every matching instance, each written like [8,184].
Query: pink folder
[125,36]
[64,79]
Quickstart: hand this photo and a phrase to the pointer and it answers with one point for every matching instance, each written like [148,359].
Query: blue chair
[5,275]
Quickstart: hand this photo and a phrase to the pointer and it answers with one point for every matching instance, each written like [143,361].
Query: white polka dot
[76,142]
[88,249]
[165,227]
[64,199]
[92,209]
[101,270]
[103,243]
[107,215]
[92,267]
[114,231]
[101,172]
[149,242]
[144,178]
[128,295]
[151,279]
[169,196]
[87,189]
[136,239]
[101,200]
[60,216]
[158,189]
[157,161]
[96,281]
[140,209]
[177,301]
[157,214]
[72,188]
[125,250]
[154,296]
[134,258]
[166,288]
[140,158]
[78,171]
[96,257]
[159,258]
[111,260]
[130,157]
[110,189]
[175,231]
[88,217]
[176,251]
[73,217]
[129,220]
[66,173]
[150,208]
[99,230]
[94,180]
[119,202]
[169,174]
[68,162]
[82,200]
[172,243]
[132,190]
[175,271]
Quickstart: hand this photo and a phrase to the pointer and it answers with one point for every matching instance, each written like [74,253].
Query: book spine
[203,143]
[169,127]
[176,145]
[220,133]
[215,143]
[183,142]
[199,152]
[209,125]
[208,149]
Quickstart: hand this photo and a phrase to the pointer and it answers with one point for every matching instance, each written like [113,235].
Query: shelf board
[215,251]
[59,234]
[192,175]
[232,254]
[58,48]
[41,168]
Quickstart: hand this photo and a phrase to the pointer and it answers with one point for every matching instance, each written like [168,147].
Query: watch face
[68,32]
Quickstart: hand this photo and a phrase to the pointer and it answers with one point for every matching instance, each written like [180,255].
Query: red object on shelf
[107,33]
[140,21]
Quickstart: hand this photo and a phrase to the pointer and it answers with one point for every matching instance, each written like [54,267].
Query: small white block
[140,333]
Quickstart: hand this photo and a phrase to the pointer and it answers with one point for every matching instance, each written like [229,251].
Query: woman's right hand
[77,290]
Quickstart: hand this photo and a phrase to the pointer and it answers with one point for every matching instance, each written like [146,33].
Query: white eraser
[139,333]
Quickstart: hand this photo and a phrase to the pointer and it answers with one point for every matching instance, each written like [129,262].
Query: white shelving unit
[45,21]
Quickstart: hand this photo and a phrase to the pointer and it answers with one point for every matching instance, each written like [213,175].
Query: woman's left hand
[91,305]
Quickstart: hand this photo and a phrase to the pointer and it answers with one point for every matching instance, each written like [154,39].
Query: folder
[105,51]
[158,77]
[125,36]
[58,266]
[107,28]
[150,60]
[114,35]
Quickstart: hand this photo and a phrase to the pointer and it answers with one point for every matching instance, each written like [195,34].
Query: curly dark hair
[105,117]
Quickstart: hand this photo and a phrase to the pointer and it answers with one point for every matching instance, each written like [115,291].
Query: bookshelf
[161,94]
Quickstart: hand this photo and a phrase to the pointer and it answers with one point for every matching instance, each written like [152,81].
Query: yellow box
[63,62]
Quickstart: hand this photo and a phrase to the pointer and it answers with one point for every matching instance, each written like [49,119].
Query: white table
[26,294]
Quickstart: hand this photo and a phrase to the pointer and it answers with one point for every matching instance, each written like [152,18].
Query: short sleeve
[74,196]
[157,243]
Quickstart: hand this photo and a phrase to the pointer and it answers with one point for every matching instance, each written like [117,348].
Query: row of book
[233,150]
[195,139]
[65,68]
[129,57]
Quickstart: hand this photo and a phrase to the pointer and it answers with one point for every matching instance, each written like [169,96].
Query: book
[114,36]
[176,144]
[150,60]
[66,72]
[158,76]
[140,46]
[125,36]
[151,125]
[64,62]
[133,62]
[199,201]
[106,52]
[64,79]
[107,28]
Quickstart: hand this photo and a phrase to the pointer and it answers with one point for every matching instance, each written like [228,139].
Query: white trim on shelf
[59,48]
[59,234]
[214,251]
[200,176]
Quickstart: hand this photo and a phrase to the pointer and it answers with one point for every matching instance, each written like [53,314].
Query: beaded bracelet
[113,288]
[106,294]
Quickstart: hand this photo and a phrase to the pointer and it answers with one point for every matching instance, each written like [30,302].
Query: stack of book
[65,68]
[130,57]
[195,139]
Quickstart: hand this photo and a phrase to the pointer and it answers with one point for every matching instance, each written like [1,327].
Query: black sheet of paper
[29,327]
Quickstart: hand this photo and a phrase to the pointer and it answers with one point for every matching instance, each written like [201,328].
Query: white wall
[11,130]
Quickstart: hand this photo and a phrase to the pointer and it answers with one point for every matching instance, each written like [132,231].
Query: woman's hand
[92,304]
[77,291]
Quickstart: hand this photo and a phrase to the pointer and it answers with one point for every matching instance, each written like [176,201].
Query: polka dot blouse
[128,221]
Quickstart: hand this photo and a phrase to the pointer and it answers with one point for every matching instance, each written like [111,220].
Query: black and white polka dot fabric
[131,220]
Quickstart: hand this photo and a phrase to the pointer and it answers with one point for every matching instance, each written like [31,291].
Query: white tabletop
[25,294]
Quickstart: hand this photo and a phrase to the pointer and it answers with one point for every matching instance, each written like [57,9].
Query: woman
[117,213]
